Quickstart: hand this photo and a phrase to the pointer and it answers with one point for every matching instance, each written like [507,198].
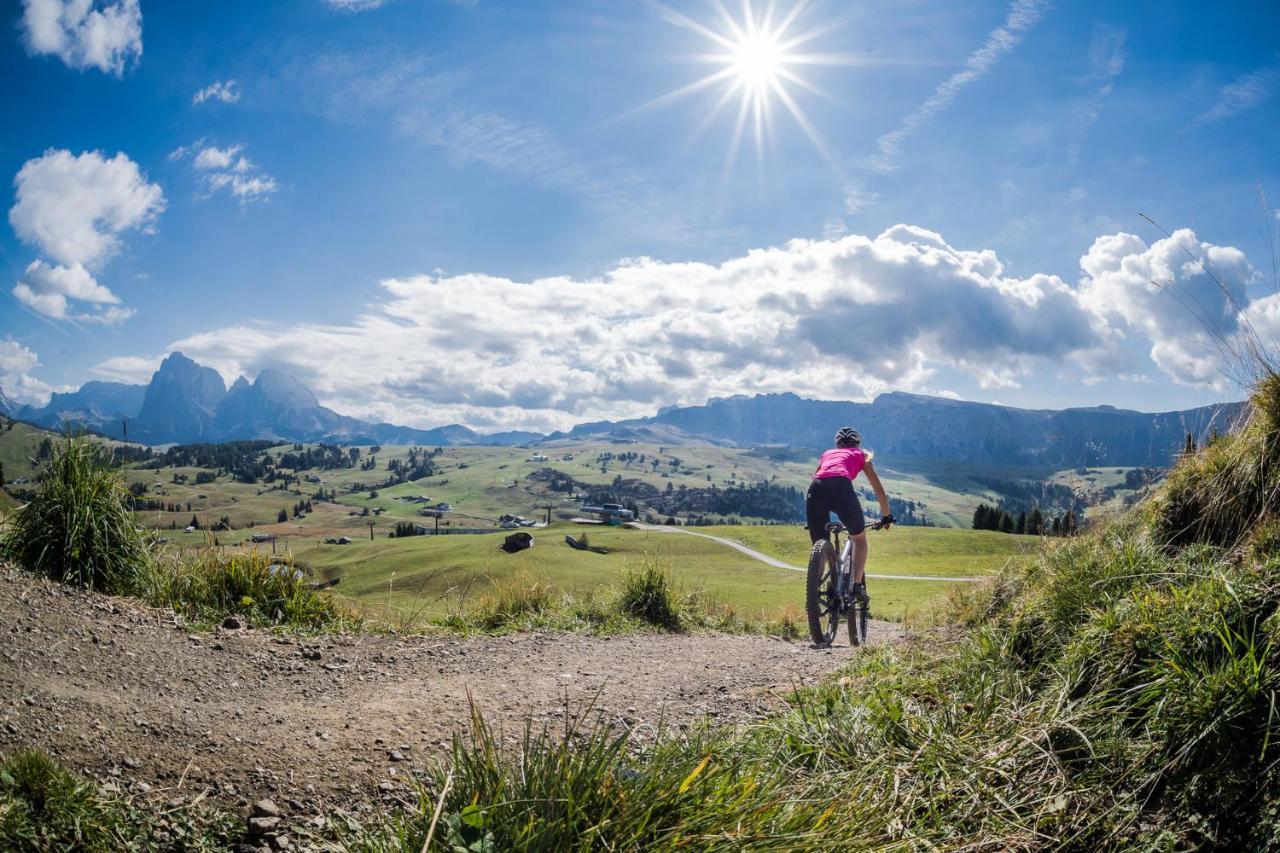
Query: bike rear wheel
[821,601]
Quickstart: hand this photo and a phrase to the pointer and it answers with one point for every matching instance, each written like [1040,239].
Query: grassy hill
[429,576]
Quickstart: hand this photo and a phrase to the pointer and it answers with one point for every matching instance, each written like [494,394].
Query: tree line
[1033,523]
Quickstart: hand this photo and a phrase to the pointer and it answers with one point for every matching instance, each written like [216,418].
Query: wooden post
[370,531]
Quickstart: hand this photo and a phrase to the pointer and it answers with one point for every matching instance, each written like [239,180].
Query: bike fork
[846,571]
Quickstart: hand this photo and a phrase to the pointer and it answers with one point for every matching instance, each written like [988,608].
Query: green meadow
[431,576]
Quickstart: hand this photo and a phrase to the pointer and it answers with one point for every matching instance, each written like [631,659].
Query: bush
[78,527]
[262,589]
[648,593]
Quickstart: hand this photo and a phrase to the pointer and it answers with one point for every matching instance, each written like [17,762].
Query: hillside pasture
[431,576]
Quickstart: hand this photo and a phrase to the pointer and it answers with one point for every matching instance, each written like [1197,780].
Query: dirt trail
[122,693]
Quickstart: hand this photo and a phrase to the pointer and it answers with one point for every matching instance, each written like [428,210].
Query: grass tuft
[45,807]
[648,593]
[78,528]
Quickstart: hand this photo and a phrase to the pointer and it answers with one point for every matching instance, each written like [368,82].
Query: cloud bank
[73,209]
[847,317]
[84,33]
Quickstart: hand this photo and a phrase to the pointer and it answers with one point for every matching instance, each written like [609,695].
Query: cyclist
[831,490]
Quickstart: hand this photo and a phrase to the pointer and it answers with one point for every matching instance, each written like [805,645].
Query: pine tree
[1022,523]
[1189,446]
[1069,523]
[282,516]
[980,517]
[1057,526]
[1035,522]
[1006,523]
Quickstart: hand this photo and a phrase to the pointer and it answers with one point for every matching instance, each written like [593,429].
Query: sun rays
[755,57]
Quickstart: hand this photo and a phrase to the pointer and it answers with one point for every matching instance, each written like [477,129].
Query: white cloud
[354,5]
[128,368]
[219,90]
[846,317]
[1022,16]
[85,33]
[49,290]
[1242,95]
[16,364]
[1167,292]
[227,169]
[73,208]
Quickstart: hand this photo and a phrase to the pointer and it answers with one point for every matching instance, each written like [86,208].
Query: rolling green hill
[430,575]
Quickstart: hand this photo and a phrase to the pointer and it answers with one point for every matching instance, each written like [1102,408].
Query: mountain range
[187,402]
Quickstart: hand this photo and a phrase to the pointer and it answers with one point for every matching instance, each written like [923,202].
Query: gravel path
[122,693]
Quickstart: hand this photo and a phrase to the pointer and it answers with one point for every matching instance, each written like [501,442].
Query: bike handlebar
[884,522]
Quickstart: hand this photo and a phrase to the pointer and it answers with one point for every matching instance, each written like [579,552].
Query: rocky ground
[126,695]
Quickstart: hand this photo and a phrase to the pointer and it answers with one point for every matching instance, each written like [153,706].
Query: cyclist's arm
[874,479]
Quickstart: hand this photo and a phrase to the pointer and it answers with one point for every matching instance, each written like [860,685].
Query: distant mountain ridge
[187,402]
[912,425]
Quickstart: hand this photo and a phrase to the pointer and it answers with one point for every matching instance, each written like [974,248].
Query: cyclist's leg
[849,509]
[817,509]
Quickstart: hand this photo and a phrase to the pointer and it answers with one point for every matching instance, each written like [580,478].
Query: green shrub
[44,808]
[261,588]
[648,593]
[78,528]
[513,599]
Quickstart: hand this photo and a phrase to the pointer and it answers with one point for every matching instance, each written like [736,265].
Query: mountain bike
[829,591]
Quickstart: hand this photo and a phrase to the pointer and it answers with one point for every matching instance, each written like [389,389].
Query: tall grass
[260,588]
[45,808]
[78,528]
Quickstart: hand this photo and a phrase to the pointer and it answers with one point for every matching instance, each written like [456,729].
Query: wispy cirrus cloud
[227,169]
[1106,62]
[1242,95]
[425,102]
[1022,16]
[219,90]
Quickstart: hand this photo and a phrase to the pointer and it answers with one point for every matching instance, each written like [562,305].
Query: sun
[755,59]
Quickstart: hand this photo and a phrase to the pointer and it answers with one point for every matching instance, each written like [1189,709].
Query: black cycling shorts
[828,495]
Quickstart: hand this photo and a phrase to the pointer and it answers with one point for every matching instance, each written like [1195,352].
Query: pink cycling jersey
[841,462]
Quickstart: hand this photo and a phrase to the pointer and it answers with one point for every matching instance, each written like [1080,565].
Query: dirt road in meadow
[125,695]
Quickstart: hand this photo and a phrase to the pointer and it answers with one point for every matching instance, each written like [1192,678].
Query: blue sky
[441,211]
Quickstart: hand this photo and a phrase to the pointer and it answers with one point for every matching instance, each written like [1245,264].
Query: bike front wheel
[858,624]
[821,600]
